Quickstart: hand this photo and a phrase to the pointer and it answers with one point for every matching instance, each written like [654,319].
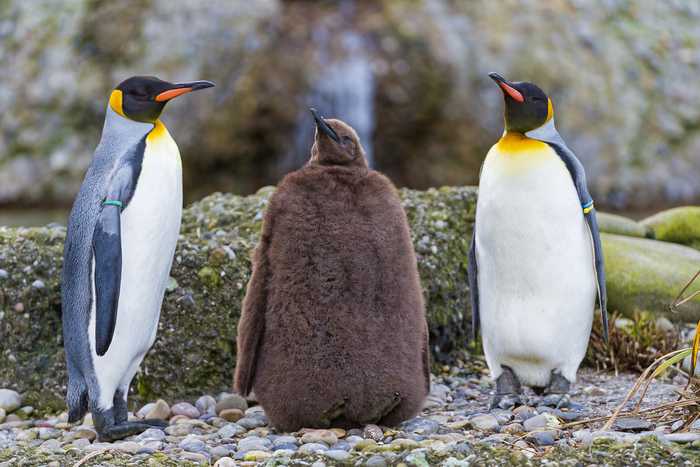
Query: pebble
[594,391]
[484,422]
[538,421]
[337,454]
[229,431]
[632,424]
[192,444]
[325,436]
[587,441]
[683,438]
[3,414]
[373,432]
[225,462]
[9,400]
[85,433]
[231,415]
[231,401]
[250,423]
[186,409]
[418,425]
[151,433]
[541,439]
[180,429]
[3,274]
[161,410]
[203,403]
[37,284]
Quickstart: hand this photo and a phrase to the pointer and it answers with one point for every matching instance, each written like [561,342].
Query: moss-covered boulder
[619,225]
[645,274]
[195,349]
[677,225]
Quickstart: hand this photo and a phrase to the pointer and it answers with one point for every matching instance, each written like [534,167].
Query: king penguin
[535,261]
[120,241]
[333,329]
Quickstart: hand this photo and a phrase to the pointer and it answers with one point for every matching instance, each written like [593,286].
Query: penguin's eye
[346,139]
[535,99]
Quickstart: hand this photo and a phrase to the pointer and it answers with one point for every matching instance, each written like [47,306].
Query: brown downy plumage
[333,329]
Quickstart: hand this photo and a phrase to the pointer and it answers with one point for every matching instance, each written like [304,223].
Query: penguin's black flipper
[474,286]
[579,178]
[599,266]
[107,250]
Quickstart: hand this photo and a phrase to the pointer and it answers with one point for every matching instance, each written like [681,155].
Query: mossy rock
[195,348]
[647,275]
[677,225]
[619,225]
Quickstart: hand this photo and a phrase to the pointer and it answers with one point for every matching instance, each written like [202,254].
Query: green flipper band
[116,203]
[587,207]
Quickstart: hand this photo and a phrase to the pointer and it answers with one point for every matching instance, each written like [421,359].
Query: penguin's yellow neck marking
[157,133]
[115,101]
[513,143]
[516,154]
[550,110]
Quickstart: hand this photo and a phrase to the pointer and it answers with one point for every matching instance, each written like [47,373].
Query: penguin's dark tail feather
[77,402]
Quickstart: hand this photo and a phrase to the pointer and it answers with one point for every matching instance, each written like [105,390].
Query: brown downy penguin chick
[333,329]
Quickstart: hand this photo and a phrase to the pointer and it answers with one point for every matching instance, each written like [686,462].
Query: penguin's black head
[142,98]
[336,143]
[527,106]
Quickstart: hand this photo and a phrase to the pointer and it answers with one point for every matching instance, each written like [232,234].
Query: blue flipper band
[116,203]
[587,207]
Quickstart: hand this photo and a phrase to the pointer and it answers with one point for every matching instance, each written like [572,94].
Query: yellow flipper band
[587,207]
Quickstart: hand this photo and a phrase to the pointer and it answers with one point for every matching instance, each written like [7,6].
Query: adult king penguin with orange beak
[535,261]
[120,242]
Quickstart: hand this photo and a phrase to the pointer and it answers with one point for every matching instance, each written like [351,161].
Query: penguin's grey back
[122,142]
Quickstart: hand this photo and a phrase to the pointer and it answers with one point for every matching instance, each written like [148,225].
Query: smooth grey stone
[353,440]
[337,454]
[254,441]
[570,416]
[419,425]
[192,445]
[541,438]
[376,461]
[341,445]
[312,447]
[682,438]
[285,440]
[10,400]
[3,274]
[462,448]
[250,423]
[152,433]
[484,422]
[538,421]
[285,447]
[145,450]
[632,424]
[218,451]
[524,416]
[588,439]
[229,431]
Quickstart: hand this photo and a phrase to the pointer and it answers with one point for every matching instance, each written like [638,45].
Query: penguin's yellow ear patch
[550,110]
[115,101]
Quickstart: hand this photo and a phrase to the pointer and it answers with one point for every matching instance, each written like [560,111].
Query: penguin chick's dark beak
[179,89]
[506,87]
[321,125]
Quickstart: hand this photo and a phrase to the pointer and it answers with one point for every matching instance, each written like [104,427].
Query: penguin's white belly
[535,258]
[150,225]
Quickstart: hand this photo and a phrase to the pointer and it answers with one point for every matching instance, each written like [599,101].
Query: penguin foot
[506,401]
[153,423]
[395,400]
[555,400]
[331,414]
[109,429]
[557,392]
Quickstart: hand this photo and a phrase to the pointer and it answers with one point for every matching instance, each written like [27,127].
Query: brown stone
[231,415]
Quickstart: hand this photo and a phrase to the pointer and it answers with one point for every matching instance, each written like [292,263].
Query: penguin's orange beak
[182,88]
[506,87]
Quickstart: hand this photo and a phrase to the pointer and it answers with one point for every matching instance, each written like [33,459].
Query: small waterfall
[344,90]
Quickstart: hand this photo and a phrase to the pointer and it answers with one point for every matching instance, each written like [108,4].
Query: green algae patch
[643,274]
[619,225]
[677,225]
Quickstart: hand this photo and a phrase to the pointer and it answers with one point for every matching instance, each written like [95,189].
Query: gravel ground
[454,429]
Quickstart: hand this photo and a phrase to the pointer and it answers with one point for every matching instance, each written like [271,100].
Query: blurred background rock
[410,76]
